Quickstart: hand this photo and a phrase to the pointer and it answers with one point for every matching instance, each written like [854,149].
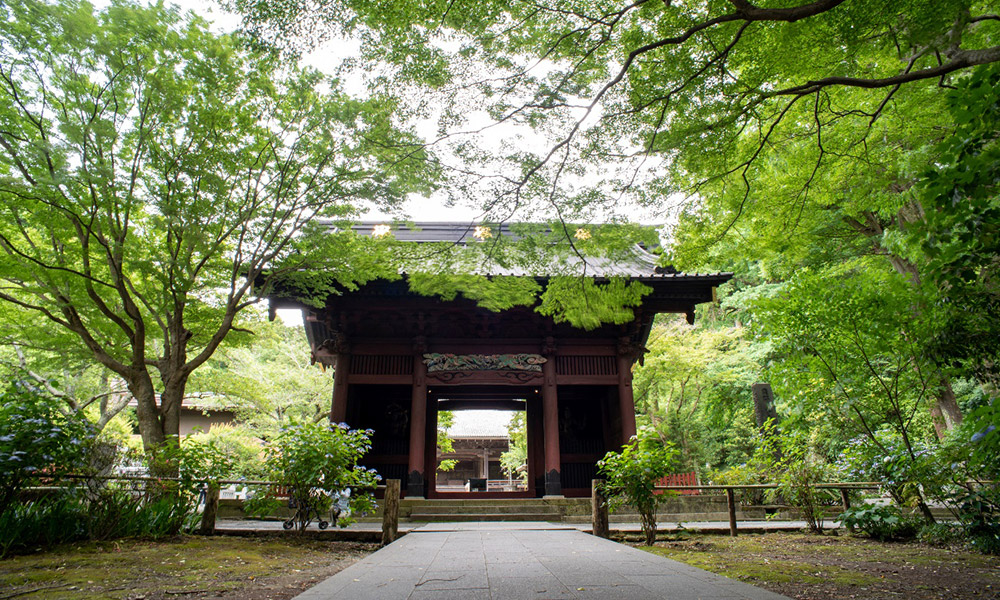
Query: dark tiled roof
[639,264]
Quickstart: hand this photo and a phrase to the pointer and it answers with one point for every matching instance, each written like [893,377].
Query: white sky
[327,59]
[476,420]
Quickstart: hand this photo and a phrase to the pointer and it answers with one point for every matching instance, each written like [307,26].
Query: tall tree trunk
[150,427]
[158,423]
[945,412]
[171,400]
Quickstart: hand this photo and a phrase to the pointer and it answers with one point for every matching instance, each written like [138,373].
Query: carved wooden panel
[526,378]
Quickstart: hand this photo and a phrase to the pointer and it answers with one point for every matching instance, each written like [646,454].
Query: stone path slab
[521,561]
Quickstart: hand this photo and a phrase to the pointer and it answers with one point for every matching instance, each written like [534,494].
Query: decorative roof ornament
[482,232]
[381,231]
[582,234]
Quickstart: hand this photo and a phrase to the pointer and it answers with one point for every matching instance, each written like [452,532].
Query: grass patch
[150,569]
[829,567]
[768,570]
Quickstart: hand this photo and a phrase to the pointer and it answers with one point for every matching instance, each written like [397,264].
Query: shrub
[941,534]
[883,523]
[41,523]
[972,458]
[786,460]
[121,511]
[75,514]
[240,447]
[745,474]
[35,437]
[632,475]
[321,457]
[905,473]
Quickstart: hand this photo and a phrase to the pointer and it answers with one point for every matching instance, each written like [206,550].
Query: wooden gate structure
[399,357]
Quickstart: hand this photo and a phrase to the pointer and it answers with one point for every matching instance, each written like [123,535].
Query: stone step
[466,517]
[495,502]
[487,509]
[660,518]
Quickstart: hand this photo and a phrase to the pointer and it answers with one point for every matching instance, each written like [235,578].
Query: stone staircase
[436,511]
[679,509]
[564,510]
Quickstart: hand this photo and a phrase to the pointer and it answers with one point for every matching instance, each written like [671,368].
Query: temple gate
[399,357]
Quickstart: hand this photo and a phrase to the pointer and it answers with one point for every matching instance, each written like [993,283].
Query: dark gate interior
[385,409]
[586,430]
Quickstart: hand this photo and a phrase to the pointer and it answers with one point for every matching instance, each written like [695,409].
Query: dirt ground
[179,568]
[809,567]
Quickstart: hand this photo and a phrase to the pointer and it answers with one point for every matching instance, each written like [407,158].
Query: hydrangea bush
[316,461]
[36,438]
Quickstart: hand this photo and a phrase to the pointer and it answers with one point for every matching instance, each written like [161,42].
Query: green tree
[268,379]
[445,419]
[514,460]
[960,235]
[849,353]
[84,388]
[793,132]
[561,258]
[154,177]
[677,95]
[694,389]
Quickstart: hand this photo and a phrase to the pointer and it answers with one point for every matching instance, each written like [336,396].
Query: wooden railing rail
[212,490]
[730,491]
[148,478]
[855,485]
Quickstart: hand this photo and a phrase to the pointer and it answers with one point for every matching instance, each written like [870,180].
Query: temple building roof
[636,262]
[382,313]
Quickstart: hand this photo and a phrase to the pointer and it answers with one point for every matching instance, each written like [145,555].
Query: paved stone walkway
[515,561]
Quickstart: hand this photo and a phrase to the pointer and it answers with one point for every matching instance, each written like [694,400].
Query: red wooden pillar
[550,424]
[536,443]
[626,402]
[338,408]
[342,370]
[418,426]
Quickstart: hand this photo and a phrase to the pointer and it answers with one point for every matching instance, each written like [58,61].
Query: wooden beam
[338,407]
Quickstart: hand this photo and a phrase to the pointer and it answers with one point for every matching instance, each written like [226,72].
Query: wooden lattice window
[586,365]
[379,364]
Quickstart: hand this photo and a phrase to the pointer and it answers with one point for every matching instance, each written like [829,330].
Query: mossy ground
[185,566]
[831,567]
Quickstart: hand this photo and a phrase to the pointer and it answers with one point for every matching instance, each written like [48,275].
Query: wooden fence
[600,507]
[390,519]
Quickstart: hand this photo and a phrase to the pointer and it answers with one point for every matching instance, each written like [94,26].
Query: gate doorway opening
[482,451]
[481,447]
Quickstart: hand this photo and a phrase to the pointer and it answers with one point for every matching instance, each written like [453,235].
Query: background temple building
[400,357]
[478,443]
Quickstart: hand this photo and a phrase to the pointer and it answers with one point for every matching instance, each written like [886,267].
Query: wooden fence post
[845,499]
[598,509]
[211,509]
[731,501]
[390,511]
